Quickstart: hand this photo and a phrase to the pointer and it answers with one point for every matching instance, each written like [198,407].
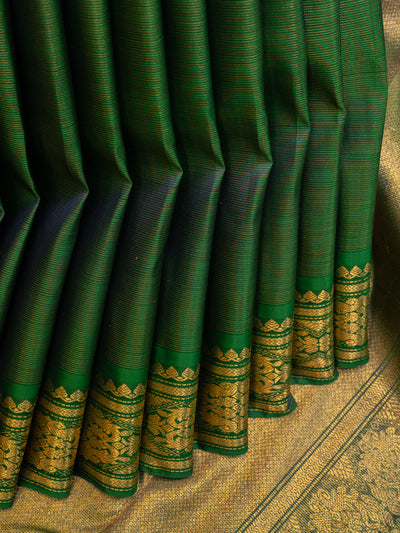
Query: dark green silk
[186,210]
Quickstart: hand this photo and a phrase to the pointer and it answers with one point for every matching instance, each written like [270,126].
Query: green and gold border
[351,315]
[222,410]
[271,358]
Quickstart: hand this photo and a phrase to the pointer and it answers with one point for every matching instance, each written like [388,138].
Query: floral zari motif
[15,419]
[271,356]
[351,314]
[222,411]
[313,356]
[53,439]
[167,439]
[108,452]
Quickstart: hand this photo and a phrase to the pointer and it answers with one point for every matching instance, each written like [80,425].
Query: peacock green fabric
[185,225]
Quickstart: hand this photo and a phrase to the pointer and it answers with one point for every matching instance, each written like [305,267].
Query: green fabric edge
[40,488]
[7,505]
[120,375]
[355,258]
[18,392]
[352,364]
[221,451]
[257,413]
[266,312]
[165,473]
[179,360]
[308,283]
[297,380]
[110,492]
[230,341]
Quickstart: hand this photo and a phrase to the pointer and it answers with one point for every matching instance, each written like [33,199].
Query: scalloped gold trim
[171,372]
[123,391]
[354,272]
[272,325]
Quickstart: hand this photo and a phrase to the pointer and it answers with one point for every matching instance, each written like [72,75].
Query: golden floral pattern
[351,314]
[15,419]
[271,356]
[108,452]
[222,411]
[313,355]
[167,439]
[53,439]
[366,498]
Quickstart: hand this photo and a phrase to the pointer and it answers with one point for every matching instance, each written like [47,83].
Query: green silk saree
[187,205]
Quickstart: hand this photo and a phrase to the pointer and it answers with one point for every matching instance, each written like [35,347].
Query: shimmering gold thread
[171,373]
[167,439]
[273,325]
[351,313]
[15,419]
[108,451]
[313,354]
[221,418]
[123,391]
[271,356]
[53,439]
[355,272]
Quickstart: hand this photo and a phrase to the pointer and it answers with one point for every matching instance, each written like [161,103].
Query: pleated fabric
[185,225]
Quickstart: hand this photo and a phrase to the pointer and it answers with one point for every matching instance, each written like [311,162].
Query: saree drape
[187,201]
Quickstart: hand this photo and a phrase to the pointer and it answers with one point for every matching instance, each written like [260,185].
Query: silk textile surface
[186,230]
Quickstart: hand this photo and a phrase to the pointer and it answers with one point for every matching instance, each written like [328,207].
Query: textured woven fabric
[185,234]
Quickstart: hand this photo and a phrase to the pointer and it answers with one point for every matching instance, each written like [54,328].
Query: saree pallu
[186,221]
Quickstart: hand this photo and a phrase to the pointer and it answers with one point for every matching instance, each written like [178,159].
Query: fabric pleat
[186,211]
[56,167]
[365,95]
[285,85]
[179,321]
[313,354]
[222,405]
[17,190]
[126,334]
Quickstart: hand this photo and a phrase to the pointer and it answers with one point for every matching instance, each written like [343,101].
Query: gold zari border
[167,438]
[53,440]
[15,419]
[222,411]
[108,451]
[271,356]
[313,352]
[351,313]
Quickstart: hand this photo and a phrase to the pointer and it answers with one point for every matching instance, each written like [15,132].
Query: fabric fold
[237,72]
[365,95]
[168,427]
[74,338]
[313,352]
[285,81]
[108,452]
[56,166]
